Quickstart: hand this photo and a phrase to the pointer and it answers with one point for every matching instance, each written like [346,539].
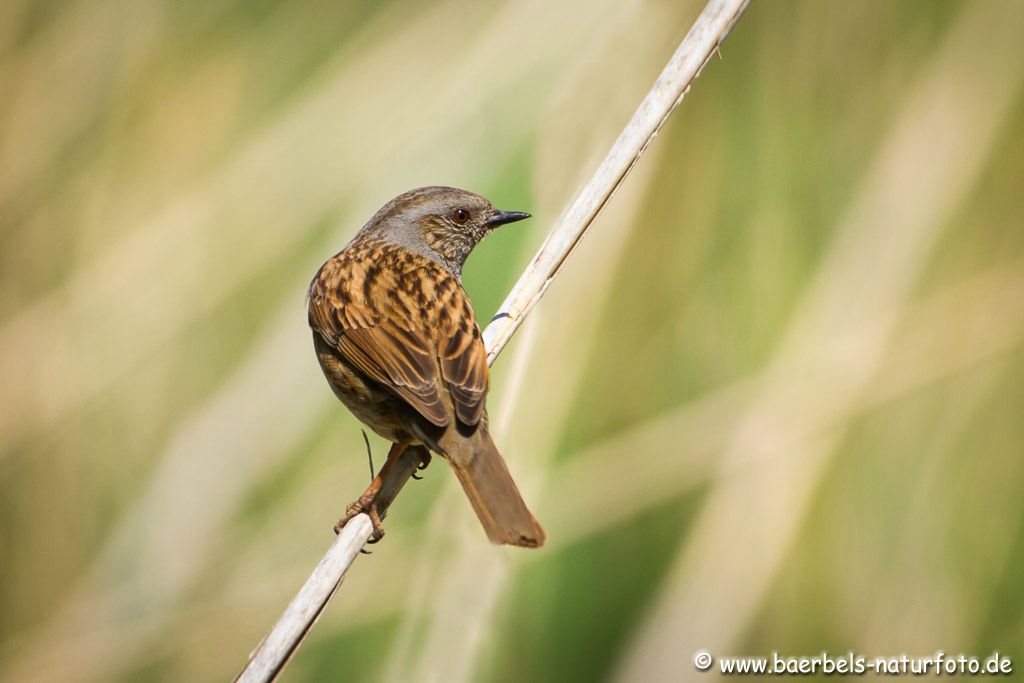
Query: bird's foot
[364,503]
[424,461]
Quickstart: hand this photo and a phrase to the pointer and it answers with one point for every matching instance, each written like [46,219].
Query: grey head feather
[427,221]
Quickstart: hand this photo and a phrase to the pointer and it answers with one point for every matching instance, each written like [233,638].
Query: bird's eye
[460,216]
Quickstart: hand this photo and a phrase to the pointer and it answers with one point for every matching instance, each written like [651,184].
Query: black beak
[503,217]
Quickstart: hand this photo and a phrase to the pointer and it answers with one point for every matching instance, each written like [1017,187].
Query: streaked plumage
[398,342]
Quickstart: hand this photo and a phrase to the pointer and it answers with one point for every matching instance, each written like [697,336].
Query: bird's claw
[422,465]
[368,505]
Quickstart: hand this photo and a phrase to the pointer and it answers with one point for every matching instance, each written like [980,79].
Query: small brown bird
[397,339]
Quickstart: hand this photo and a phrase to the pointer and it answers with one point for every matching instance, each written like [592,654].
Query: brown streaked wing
[463,360]
[387,353]
[383,347]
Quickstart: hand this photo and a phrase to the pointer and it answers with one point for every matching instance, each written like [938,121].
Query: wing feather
[369,311]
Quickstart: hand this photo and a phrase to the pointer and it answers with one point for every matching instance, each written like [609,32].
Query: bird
[396,337]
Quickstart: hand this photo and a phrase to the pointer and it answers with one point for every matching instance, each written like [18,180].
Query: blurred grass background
[774,402]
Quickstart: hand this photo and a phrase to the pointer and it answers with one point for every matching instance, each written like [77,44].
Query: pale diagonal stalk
[703,40]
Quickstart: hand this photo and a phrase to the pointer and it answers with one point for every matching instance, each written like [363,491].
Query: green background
[774,402]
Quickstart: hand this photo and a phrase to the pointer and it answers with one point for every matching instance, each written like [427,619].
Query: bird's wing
[463,357]
[401,323]
[359,309]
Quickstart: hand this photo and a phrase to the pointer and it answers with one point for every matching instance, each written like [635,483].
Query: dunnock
[397,339]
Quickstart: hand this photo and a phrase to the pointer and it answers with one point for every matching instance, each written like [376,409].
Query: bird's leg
[424,461]
[369,452]
[367,502]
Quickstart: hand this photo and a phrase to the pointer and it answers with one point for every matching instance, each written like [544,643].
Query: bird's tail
[490,488]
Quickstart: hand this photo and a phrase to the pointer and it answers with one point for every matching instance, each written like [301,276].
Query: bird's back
[404,322]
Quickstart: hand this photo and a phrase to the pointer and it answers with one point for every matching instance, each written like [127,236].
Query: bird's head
[442,223]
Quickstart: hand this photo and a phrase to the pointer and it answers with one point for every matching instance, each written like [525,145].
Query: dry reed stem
[700,44]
